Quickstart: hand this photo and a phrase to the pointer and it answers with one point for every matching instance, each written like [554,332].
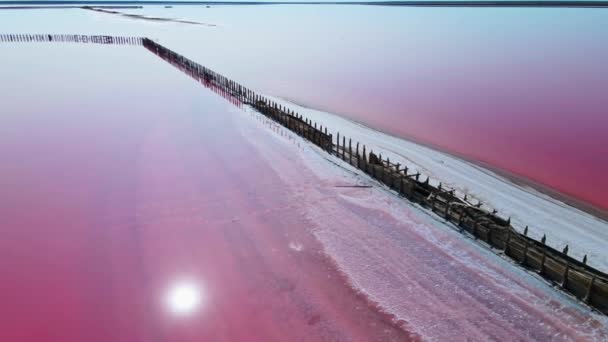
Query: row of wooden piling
[572,276]
[240,95]
[208,78]
[575,277]
[69,38]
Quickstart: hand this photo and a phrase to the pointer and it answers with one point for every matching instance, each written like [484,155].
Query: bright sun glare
[184,298]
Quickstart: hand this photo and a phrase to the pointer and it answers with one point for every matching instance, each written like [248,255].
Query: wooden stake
[589,289]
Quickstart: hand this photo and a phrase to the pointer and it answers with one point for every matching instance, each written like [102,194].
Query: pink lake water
[137,205]
[519,89]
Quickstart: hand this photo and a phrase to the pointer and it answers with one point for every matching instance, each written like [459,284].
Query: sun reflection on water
[184,298]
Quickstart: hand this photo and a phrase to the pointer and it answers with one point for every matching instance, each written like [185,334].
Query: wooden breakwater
[69,38]
[568,274]
[239,95]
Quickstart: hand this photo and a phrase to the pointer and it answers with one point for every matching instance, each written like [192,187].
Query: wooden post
[350,151]
[565,276]
[338,144]
[395,180]
[475,223]
[365,159]
[343,147]
[358,159]
[381,168]
[489,235]
[506,249]
[525,251]
[589,289]
[386,171]
[373,173]
[460,220]
[542,261]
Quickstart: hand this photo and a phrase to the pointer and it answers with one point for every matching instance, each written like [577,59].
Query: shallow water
[520,89]
[138,206]
[136,210]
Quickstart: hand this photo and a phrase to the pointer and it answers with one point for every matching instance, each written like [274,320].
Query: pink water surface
[521,89]
[116,191]
[112,200]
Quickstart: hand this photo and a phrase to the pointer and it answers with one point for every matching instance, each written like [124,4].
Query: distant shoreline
[65,7]
[423,3]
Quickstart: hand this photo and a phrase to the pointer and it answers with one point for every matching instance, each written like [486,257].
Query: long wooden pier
[568,274]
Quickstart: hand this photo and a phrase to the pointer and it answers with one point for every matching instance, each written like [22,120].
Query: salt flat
[562,224]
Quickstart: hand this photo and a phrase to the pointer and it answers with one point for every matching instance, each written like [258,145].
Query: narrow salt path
[440,285]
[562,224]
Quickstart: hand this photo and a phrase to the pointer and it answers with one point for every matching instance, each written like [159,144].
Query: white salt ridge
[411,264]
[563,224]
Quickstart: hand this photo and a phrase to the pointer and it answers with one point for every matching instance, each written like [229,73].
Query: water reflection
[184,298]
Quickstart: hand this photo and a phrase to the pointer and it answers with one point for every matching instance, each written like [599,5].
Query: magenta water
[519,89]
[137,205]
